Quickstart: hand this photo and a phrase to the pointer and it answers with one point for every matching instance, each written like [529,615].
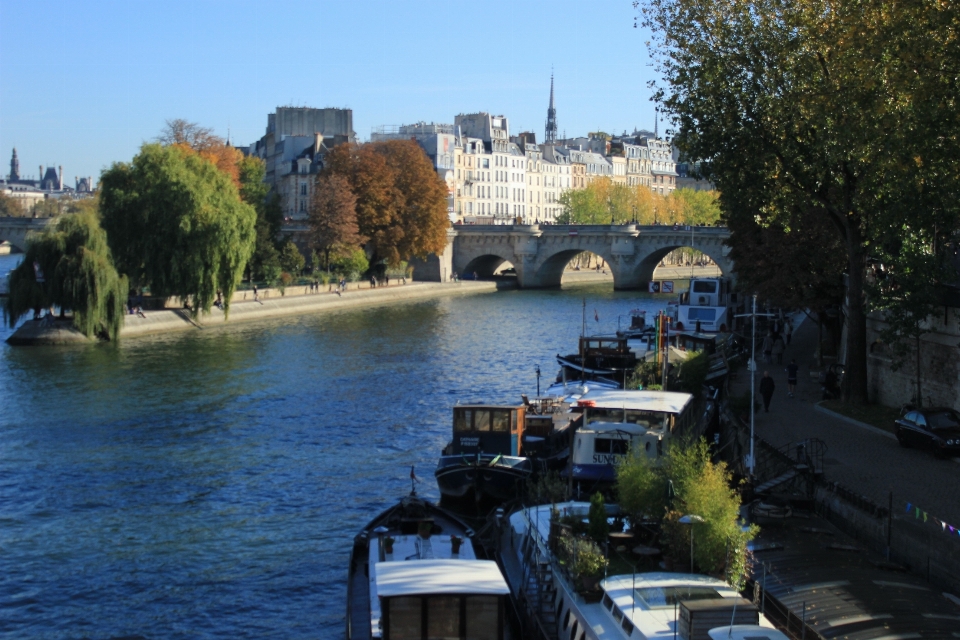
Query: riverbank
[270,306]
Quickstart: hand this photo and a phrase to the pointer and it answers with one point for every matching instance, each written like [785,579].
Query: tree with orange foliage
[333,217]
[401,202]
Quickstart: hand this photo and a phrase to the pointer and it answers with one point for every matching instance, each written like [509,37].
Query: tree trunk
[855,356]
[919,388]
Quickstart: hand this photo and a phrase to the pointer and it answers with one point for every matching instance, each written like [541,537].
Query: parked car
[937,429]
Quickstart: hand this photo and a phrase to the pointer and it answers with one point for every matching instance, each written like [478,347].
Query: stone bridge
[540,253]
[15,230]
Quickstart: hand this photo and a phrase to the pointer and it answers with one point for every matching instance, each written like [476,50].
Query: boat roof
[429,577]
[662,401]
[746,632]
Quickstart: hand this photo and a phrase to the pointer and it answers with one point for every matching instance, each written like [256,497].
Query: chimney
[60,179]
[76,182]
[90,184]
[317,141]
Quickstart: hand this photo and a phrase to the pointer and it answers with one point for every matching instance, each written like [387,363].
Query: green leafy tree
[833,109]
[177,225]
[641,488]
[10,206]
[291,260]
[351,262]
[77,275]
[598,528]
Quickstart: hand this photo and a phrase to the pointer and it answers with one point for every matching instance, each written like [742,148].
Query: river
[208,484]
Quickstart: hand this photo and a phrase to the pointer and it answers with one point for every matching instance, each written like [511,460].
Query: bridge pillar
[436,267]
[524,239]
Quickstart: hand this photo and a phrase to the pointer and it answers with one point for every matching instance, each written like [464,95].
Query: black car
[937,429]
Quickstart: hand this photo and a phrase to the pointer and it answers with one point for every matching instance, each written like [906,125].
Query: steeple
[550,136]
[14,166]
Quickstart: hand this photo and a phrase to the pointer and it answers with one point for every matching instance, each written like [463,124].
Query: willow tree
[177,225]
[840,109]
[69,266]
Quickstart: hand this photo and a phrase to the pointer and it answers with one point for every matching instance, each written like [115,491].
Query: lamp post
[751,461]
[691,520]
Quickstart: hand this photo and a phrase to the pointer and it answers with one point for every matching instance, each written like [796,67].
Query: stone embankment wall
[939,364]
[271,305]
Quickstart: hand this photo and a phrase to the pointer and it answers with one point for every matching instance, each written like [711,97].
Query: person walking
[767,348]
[766,390]
[789,331]
[778,348]
[792,377]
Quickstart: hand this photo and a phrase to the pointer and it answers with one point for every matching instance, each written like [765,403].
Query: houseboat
[633,606]
[603,358]
[414,573]
[707,307]
[614,421]
[484,458]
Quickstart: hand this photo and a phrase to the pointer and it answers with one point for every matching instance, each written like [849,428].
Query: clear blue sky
[84,84]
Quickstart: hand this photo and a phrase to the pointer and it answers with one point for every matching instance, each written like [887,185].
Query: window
[482,617]
[303,188]
[501,421]
[443,618]
[606,445]
[405,619]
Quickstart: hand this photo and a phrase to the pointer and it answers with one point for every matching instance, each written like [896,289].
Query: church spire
[550,136]
[14,166]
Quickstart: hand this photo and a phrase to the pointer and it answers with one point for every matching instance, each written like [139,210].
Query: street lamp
[753,374]
[691,520]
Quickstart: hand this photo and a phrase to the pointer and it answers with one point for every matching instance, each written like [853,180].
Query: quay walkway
[843,583]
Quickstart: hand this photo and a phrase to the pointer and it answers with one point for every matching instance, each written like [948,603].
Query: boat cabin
[487,429]
[456,599]
[614,421]
[707,306]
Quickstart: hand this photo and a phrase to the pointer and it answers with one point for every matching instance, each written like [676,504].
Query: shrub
[598,528]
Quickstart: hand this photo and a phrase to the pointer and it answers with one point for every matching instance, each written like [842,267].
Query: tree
[333,217]
[177,225]
[833,109]
[401,201]
[190,134]
[69,266]
[10,206]
[351,263]
[291,260]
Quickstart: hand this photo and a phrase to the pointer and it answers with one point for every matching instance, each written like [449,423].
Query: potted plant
[455,542]
[388,544]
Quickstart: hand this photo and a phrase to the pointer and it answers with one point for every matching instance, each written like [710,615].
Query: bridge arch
[485,266]
[549,271]
[647,265]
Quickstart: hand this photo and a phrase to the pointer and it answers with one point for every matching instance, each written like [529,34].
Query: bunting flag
[918,513]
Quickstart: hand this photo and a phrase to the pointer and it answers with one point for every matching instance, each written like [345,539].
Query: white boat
[616,420]
[637,606]
[414,573]
[707,307]
[746,632]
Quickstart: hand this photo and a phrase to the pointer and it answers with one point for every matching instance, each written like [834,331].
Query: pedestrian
[778,348]
[766,390]
[792,376]
[767,348]
[789,331]
[256,295]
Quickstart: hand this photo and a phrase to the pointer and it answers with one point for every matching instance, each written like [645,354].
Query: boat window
[574,630]
[566,622]
[704,286]
[501,421]
[605,445]
[627,626]
[646,419]
[667,597]
[443,618]
[463,419]
[607,602]
[481,420]
[617,614]
[483,617]
[404,618]
[604,415]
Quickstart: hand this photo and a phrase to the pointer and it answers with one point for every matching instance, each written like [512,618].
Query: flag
[596,316]
[413,476]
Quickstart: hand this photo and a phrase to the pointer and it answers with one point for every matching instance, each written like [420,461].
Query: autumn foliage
[401,206]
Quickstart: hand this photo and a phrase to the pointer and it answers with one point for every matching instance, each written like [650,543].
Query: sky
[84,84]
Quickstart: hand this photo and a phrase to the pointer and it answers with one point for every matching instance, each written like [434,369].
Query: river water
[208,484]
